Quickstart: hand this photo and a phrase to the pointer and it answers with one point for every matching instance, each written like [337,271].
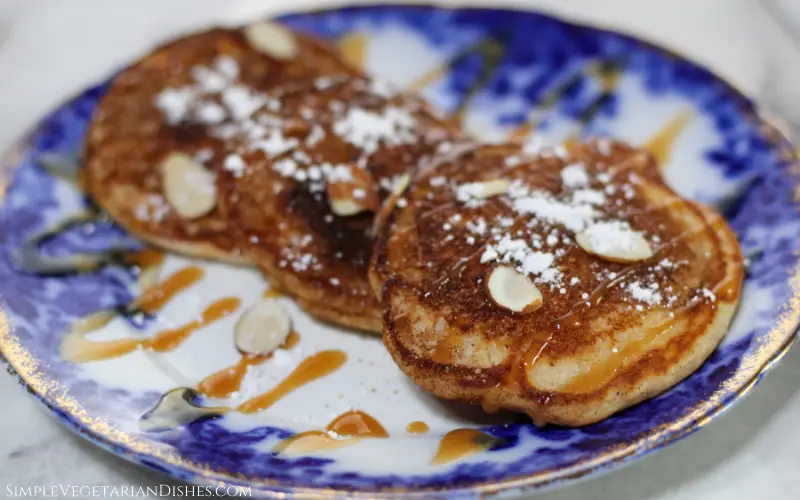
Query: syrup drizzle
[273,293]
[661,143]
[353,48]
[603,372]
[345,430]
[446,348]
[155,298]
[144,259]
[417,427]
[229,380]
[177,407]
[75,348]
[429,77]
[462,443]
[313,368]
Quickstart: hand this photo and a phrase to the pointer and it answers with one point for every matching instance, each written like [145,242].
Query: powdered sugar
[574,216]
[469,192]
[536,262]
[367,129]
[197,101]
[588,197]
[539,230]
[176,103]
[234,163]
[275,144]
[612,237]
[574,176]
[647,294]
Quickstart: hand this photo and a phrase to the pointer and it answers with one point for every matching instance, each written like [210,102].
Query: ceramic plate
[507,73]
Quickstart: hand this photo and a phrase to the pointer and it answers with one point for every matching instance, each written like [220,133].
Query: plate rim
[22,364]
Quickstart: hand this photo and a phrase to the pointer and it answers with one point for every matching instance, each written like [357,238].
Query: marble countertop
[49,49]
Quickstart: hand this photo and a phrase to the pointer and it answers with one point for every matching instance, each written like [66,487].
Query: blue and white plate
[506,73]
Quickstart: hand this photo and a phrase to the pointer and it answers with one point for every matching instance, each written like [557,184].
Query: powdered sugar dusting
[367,129]
[535,230]
[648,294]
[574,176]
[612,237]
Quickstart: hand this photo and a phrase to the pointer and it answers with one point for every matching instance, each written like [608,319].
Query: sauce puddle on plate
[417,427]
[462,443]
[345,430]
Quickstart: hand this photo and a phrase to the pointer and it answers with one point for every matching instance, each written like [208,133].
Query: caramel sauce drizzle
[602,373]
[345,430]
[417,427]
[445,349]
[462,443]
[353,48]
[170,339]
[175,407]
[522,364]
[429,77]
[228,380]
[77,349]
[313,368]
[156,297]
[661,143]
[273,293]
[146,258]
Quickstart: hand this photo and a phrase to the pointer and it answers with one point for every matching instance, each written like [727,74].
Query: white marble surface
[49,49]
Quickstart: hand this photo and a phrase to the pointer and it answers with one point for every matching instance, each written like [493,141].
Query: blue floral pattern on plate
[501,64]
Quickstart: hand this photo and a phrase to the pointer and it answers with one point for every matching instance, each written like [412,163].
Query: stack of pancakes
[566,282]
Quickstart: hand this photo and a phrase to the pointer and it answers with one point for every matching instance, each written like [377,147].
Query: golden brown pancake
[186,97]
[306,181]
[602,334]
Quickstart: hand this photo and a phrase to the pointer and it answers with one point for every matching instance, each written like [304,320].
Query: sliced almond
[512,290]
[614,241]
[188,186]
[401,185]
[354,194]
[262,328]
[398,190]
[483,190]
[272,39]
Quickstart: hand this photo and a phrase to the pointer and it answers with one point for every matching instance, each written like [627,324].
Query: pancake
[566,283]
[304,185]
[172,111]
